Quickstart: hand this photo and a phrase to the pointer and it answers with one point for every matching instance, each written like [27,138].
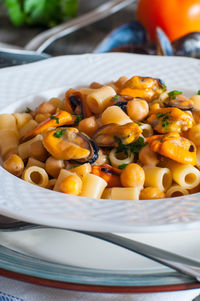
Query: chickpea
[53,166]
[194,134]
[147,156]
[14,164]
[88,126]
[38,151]
[71,185]
[132,176]
[137,109]
[46,107]
[42,117]
[150,193]
[196,102]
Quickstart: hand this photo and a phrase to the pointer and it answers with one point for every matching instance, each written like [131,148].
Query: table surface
[82,41]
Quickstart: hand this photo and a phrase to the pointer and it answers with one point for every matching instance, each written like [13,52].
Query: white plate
[34,204]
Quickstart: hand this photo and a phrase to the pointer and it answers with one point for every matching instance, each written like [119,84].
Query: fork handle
[46,38]
[182,264]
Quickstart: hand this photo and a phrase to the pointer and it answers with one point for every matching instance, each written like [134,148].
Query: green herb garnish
[59,133]
[40,12]
[134,147]
[108,159]
[198,92]
[116,98]
[164,88]
[78,119]
[28,110]
[55,118]
[122,166]
[165,119]
[173,94]
[138,123]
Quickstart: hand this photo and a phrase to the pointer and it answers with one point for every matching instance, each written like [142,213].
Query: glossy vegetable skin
[175,17]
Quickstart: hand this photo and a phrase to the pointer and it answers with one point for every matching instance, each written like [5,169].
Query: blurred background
[82,41]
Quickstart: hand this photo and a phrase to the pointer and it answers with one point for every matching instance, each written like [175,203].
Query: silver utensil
[46,38]
[182,264]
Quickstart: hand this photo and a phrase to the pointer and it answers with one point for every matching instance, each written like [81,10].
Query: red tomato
[175,17]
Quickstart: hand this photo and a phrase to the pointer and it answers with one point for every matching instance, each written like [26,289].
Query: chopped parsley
[55,118]
[134,147]
[173,94]
[122,166]
[164,88]
[59,133]
[28,110]
[116,98]
[165,119]
[108,159]
[78,119]
[138,123]
[198,92]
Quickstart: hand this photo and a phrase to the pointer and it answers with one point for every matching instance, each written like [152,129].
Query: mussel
[188,45]
[109,135]
[70,144]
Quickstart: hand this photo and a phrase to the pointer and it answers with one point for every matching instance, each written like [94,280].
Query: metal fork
[177,262]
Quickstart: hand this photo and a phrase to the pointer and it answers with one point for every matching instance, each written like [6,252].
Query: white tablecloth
[14,290]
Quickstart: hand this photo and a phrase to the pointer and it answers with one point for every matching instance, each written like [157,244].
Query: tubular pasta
[93,186]
[185,175]
[99,99]
[29,126]
[115,114]
[35,162]
[122,193]
[24,148]
[147,130]
[8,122]
[157,177]
[176,190]
[9,140]
[116,161]
[36,175]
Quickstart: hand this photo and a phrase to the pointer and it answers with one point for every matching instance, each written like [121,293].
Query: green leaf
[108,159]
[174,92]
[116,98]
[59,133]
[55,118]
[122,166]
[47,12]
[136,146]
[78,119]
[69,7]
[28,110]
[15,11]
[198,92]
[165,119]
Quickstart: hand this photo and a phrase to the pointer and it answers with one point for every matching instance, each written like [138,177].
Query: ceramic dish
[38,205]
[64,259]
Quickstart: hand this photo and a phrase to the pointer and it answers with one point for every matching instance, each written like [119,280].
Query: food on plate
[130,139]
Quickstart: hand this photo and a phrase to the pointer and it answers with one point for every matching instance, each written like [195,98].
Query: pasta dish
[130,139]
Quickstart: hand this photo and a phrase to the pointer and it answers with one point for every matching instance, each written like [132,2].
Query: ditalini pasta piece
[147,130]
[196,102]
[176,190]
[93,186]
[8,122]
[64,173]
[24,148]
[115,158]
[99,99]
[157,177]
[122,193]
[198,158]
[9,140]
[34,162]
[36,175]
[22,119]
[115,114]
[29,126]
[185,175]
[82,170]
